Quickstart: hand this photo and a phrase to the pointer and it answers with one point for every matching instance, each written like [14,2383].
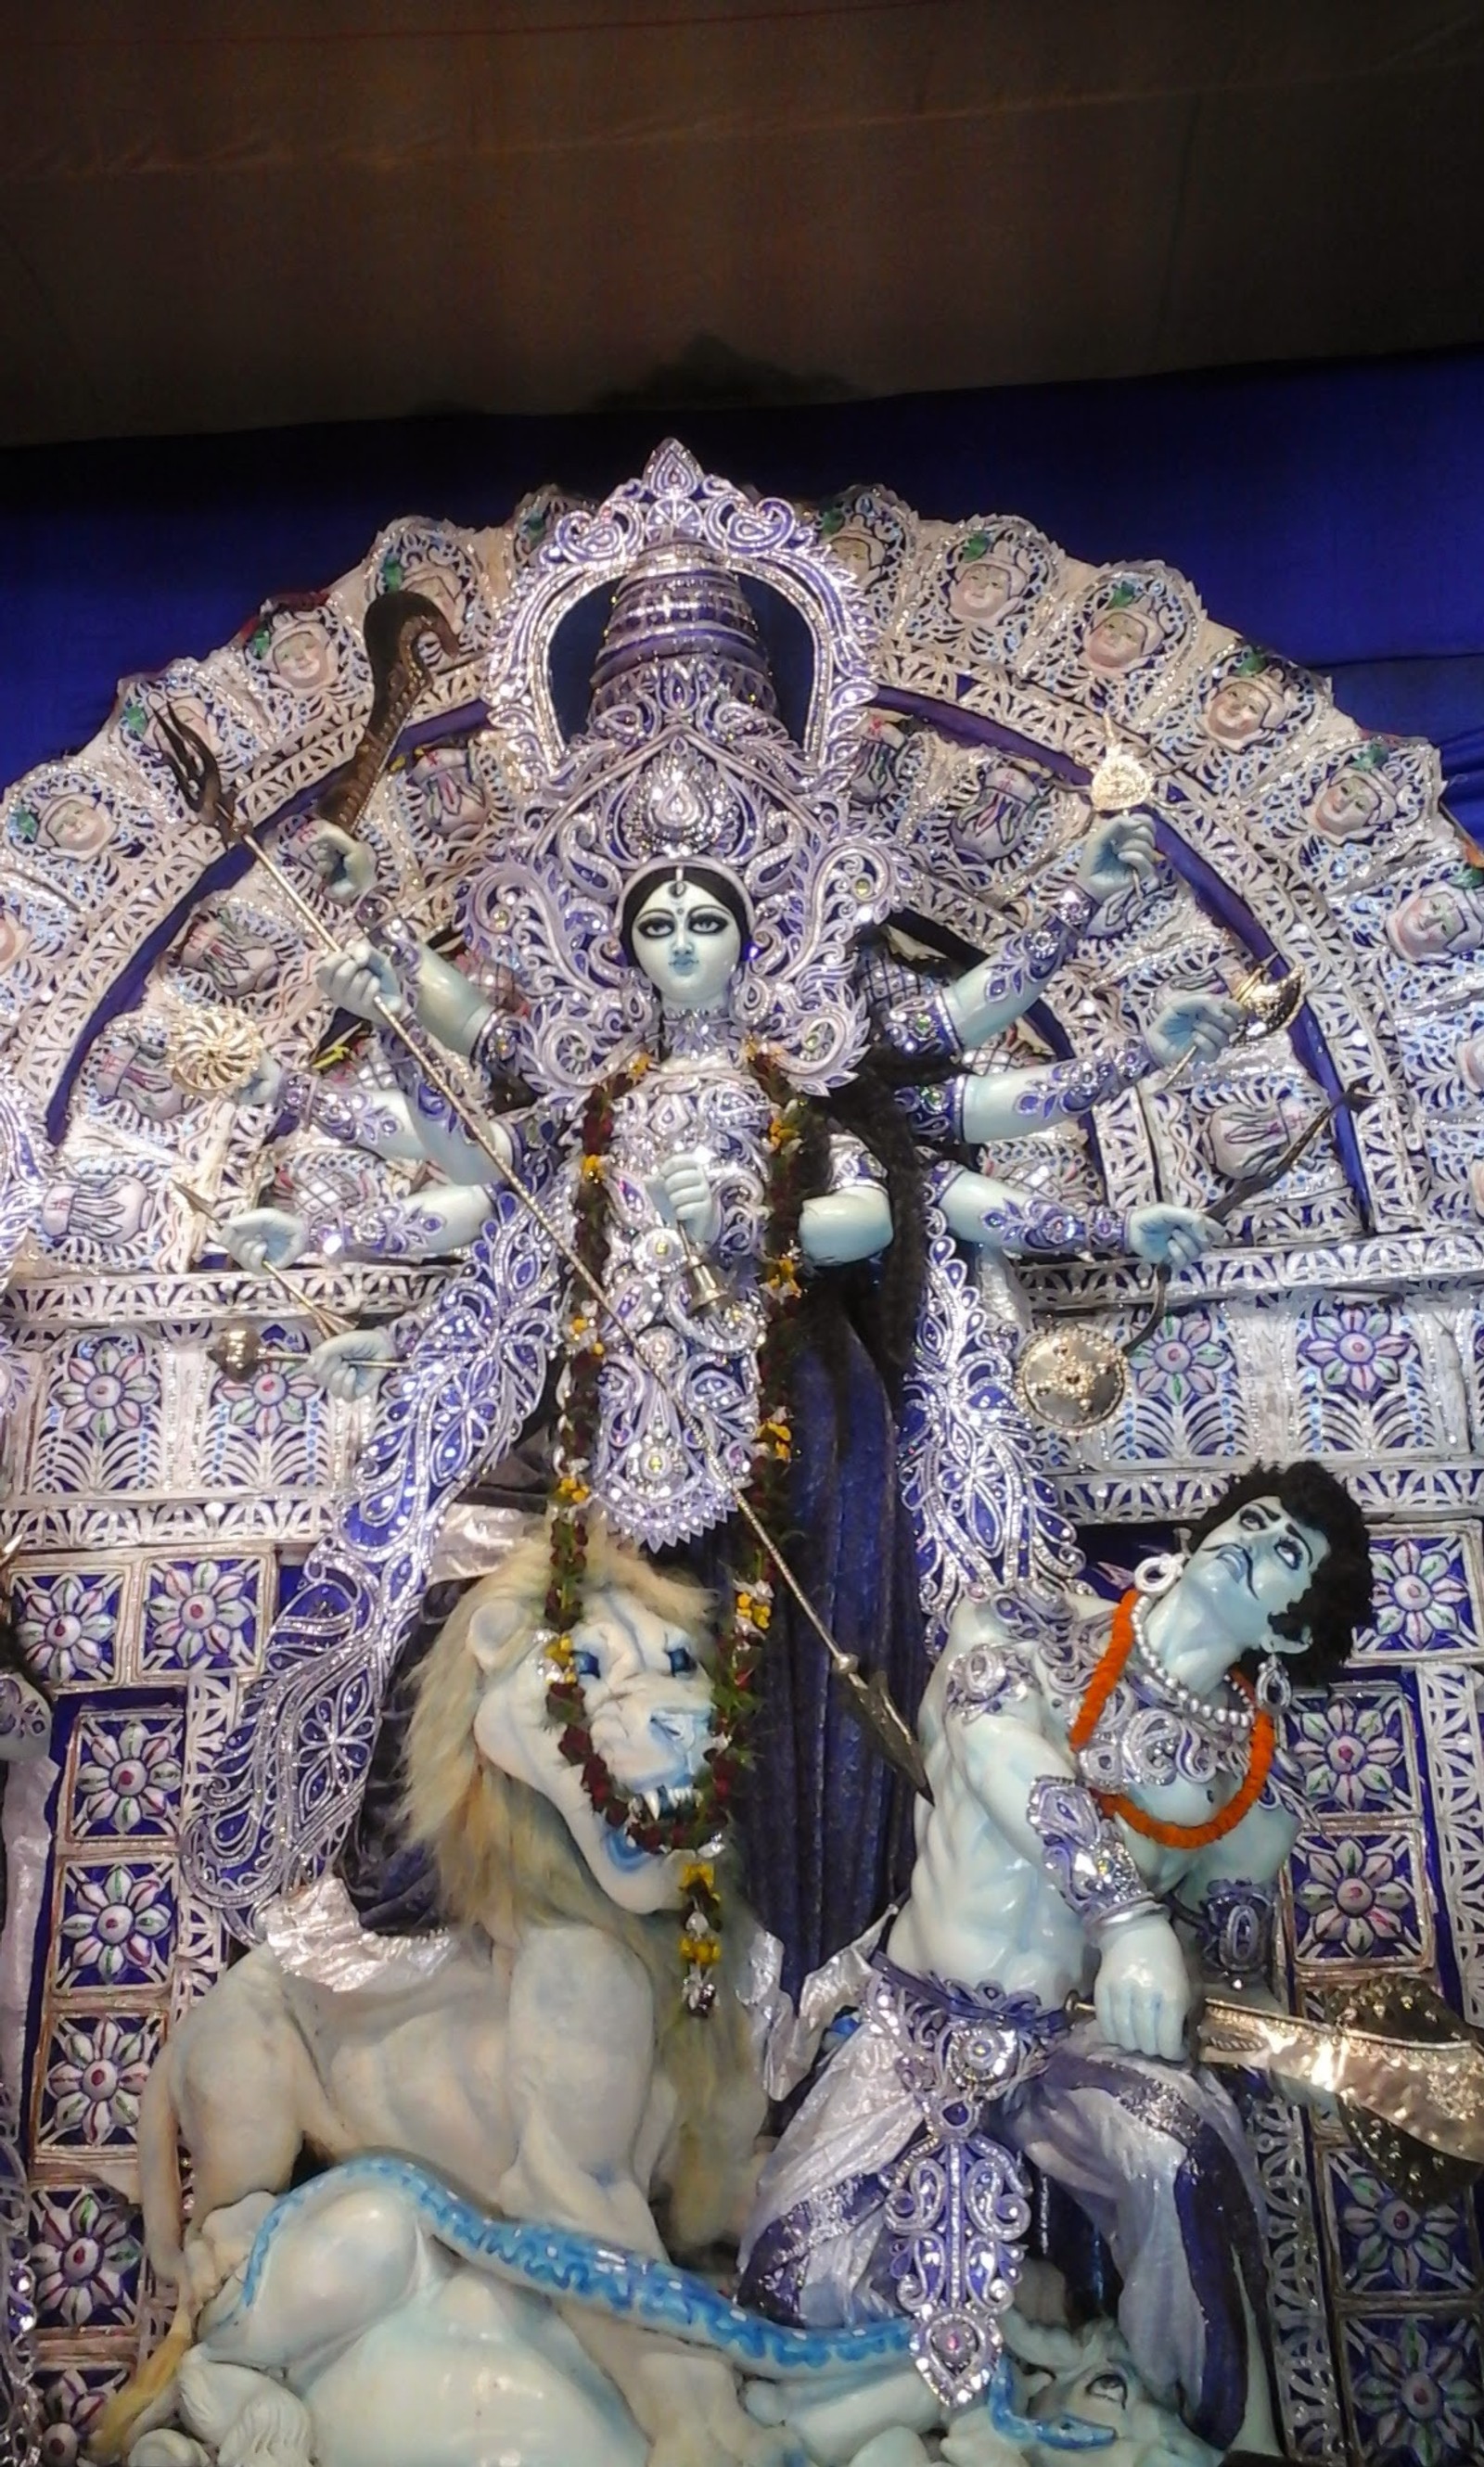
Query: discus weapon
[1074,1377]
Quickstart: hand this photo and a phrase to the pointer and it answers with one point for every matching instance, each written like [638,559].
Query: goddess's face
[1256,1564]
[687,944]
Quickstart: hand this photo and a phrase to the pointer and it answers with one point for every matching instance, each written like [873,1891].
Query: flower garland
[1115,1803]
[699,1824]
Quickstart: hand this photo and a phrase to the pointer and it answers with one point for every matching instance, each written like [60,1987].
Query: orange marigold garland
[1115,1803]
[700,1823]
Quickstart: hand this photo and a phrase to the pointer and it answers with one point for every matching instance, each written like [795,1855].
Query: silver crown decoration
[683,756]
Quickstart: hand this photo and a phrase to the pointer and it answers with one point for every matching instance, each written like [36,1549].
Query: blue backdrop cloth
[1335,513]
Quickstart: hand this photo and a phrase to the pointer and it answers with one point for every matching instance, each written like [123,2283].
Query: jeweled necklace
[698,1823]
[700,1036]
[1123,1643]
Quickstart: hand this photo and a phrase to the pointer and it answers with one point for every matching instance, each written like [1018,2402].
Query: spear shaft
[869,1700]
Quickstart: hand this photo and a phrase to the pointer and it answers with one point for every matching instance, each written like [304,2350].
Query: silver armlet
[1086,1858]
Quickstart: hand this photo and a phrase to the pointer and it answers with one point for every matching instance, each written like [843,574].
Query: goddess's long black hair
[881,1296]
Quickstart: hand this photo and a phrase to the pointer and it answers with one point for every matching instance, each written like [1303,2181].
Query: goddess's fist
[685,1178]
[361,978]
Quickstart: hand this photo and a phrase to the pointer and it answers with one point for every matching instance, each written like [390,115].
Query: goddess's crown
[678,601]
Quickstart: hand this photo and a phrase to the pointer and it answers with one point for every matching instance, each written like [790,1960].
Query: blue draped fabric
[825,1826]
[843,1850]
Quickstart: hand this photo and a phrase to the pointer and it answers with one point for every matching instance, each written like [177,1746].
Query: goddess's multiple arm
[850,1222]
[968,1109]
[937,1021]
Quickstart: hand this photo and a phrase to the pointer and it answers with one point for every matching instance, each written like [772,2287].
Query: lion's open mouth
[666,1800]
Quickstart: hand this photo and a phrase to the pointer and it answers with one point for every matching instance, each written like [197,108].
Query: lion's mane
[507,1862]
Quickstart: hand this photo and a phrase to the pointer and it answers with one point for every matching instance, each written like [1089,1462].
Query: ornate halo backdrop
[161,1506]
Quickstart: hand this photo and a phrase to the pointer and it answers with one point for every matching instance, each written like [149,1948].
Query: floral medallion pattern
[271,1401]
[1355,1350]
[86,2251]
[1187,1391]
[96,2067]
[70,2399]
[1415,2388]
[265,1431]
[116,1927]
[1355,1750]
[1360,1898]
[67,1624]
[102,1427]
[107,1386]
[202,1615]
[1389,2247]
[1361,1382]
[128,1774]
[1423,1600]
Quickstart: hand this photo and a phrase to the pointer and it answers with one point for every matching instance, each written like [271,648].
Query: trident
[206,792]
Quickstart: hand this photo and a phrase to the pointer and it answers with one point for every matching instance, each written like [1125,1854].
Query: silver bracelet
[1145,1908]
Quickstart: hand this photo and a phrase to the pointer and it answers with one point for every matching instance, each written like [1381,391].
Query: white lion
[547,2068]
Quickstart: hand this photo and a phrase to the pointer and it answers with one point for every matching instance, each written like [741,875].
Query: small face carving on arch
[1123,636]
[1437,923]
[983,589]
[1246,706]
[1353,803]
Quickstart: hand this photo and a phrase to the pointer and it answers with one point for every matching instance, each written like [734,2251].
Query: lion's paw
[165,2449]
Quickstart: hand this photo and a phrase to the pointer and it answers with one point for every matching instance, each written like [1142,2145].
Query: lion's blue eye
[681,1659]
[586,1664]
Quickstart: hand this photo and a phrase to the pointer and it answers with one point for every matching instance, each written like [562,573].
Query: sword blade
[1433,2089]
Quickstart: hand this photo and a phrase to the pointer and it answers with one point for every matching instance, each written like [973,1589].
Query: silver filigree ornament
[25,1162]
[211,1048]
[957,2208]
[1121,781]
[683,803]
[683,755]
[983,1514]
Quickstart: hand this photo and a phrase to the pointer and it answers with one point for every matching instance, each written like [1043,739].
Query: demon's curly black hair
[1337,1599]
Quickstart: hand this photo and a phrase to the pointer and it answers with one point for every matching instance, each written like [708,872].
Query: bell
[705,1287]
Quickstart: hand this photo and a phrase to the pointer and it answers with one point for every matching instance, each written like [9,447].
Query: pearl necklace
[1236,1718]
